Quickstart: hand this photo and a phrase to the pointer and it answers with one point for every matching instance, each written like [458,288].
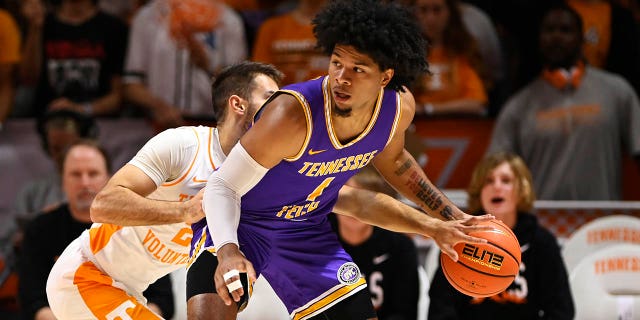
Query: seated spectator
[174,49]
[57,130]
[455,85]
[9,58]
[572,124]
[388,260]
[610,38]
[75,55]
[501,185]
[85,171]
[287,42]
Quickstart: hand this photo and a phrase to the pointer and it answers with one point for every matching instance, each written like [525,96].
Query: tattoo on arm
[426,192]
[403,168]
[447,213]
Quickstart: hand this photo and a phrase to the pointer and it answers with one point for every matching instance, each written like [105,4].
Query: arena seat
[598,234]
[606,284]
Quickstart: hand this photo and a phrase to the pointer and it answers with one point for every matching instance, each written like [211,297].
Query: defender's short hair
[237,80]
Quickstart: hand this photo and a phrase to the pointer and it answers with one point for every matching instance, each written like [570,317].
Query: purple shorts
[304,263]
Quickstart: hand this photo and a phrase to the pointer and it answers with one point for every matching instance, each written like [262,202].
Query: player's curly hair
[385,31]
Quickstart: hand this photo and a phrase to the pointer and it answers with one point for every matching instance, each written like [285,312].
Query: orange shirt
[290,46]
[452,78]
[596,17]
[9,39]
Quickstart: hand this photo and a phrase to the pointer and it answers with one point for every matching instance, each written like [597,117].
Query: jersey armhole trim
[307,112]
[209,150]
[396,121]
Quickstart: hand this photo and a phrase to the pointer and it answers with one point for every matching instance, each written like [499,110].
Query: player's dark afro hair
[383,30]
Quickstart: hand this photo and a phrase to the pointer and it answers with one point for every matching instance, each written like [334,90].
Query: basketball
[484,269]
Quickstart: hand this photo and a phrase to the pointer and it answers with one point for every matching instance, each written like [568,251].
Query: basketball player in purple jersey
[308,140]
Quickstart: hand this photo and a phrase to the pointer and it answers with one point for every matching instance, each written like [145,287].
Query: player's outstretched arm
[386,212]
[280,133]
[122,201]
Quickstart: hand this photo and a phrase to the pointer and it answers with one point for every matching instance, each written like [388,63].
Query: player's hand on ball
[231,262]
[448,233]
[471,220]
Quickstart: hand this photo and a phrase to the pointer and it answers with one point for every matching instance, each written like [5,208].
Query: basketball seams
[477,281]
[506,251]
[505,228]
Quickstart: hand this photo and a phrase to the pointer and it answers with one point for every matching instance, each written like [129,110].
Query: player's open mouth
[497,200]
[340,96]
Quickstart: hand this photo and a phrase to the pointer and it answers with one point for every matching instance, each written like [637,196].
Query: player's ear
[386,77]
[237,104]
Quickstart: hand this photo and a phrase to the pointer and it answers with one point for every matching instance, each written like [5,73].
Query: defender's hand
[192,210]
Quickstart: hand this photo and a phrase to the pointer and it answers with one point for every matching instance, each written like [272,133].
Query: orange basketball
[485,269]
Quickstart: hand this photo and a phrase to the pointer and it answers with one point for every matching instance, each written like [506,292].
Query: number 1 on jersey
[318,190]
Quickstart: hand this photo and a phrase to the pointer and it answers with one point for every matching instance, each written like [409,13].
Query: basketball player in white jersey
[103,273]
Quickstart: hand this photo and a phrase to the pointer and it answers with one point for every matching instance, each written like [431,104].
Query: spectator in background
[287,42]
[174,49]
[388,260]
[516,22]
[75,55]
[572,124]
[482,29]
[28,14]
[455,85]
[501,185]
[85,171]
[610,38]
[57,130]
[9,58]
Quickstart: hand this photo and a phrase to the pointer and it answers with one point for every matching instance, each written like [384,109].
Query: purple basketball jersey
[304,189]
[284,230]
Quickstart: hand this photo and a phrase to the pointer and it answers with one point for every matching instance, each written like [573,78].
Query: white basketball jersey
[179,161]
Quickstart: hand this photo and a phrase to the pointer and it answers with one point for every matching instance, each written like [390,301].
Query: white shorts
[77,289]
